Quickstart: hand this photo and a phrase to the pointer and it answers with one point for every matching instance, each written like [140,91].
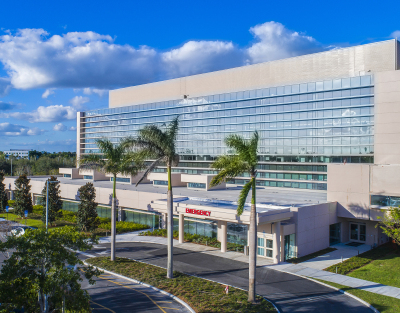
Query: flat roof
[271,196]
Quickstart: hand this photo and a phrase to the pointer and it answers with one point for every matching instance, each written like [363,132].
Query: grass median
[202,295]
[383,304]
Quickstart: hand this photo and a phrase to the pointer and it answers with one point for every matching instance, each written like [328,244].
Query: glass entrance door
[334,234]
[358,232]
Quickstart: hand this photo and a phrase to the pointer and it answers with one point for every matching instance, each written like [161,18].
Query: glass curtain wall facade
[301,127]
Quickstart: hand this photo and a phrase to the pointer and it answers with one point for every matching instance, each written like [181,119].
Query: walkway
[343,251]
[303,270]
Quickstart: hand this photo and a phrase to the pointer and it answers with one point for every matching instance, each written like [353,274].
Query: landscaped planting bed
[202,295]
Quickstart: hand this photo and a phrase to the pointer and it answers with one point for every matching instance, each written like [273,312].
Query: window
[196,185]
[160,182]
[87,177]
[121,180]
[67,175]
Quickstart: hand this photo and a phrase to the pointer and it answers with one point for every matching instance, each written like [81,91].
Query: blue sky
[59,57]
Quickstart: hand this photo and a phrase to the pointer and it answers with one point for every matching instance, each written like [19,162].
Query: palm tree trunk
[113,223]
[170,227]
[252,244]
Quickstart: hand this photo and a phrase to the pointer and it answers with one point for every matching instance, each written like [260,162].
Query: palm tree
[160,145]
[243,160]
[114,159]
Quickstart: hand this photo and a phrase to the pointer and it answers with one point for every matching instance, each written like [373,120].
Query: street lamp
[47,201]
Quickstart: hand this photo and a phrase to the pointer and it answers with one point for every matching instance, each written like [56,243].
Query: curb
[346,293]
[147,285]
[329,286]
[174,297]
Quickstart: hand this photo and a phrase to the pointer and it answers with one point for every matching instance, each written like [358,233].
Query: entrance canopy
[223,210]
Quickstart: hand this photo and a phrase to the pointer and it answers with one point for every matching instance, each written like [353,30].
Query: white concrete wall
[387,117]
[352,61]
[313,227]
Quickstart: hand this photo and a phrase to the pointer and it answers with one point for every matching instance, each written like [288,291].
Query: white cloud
[60,127]
[52,113]
[72,128]
[90,91]
[47,93]
[196,57]
[275,42]
[8,129]
[94,63]
[79,101]
[395,34]
[32,59]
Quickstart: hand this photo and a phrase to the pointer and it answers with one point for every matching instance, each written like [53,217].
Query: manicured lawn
[376,265]
[383,304]
[310,256]
[29,222]
[202,295]
[384,270]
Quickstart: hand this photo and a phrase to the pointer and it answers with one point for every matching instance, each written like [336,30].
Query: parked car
[20,230]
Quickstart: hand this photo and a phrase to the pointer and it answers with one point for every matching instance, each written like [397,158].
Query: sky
[61,57]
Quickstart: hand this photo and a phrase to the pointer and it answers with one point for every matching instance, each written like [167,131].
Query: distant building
[18,153]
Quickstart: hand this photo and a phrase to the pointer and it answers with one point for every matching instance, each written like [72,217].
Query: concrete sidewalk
[297,269]
[343,252]
[338,279]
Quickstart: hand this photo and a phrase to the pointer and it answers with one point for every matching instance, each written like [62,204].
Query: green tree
[390,223]
[22,194]
[243,160]
[87,217]
[38,270]
[114,159]
[55,203]
[158,144]
[3,193]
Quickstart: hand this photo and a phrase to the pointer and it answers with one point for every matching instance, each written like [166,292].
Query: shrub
[123,227]
[203,240]
[11,203]
[68,216]
[104,220]
[38,209]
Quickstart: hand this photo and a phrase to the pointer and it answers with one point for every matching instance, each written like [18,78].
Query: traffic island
[201,294]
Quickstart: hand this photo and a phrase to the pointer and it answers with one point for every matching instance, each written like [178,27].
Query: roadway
[113,294]
[288,292]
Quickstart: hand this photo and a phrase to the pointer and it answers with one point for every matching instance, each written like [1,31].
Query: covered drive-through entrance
[272,239]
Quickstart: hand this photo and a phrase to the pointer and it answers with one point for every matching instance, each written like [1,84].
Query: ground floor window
[237,233]
[136,216]
[87,176]
[196,226]
[67,175]
[265,245]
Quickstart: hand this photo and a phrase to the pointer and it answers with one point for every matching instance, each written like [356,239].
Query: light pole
[47,201]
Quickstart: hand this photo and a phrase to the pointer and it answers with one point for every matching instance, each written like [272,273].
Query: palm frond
[229,167]
[253,149]
[148,170]
[172,129]
[243,196]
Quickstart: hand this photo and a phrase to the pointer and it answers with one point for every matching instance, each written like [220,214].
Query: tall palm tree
[243,160]
[114,159]
[160,145]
